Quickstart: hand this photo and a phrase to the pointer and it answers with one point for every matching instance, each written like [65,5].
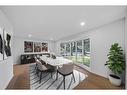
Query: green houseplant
[116,63]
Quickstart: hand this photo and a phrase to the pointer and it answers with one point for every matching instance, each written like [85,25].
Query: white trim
[85,67]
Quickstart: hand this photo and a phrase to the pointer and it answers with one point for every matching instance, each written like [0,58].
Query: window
[86,51]
[68,50]
[73,51]
[62,49]
[79,51]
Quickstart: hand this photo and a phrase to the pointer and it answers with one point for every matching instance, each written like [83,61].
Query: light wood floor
[21,80]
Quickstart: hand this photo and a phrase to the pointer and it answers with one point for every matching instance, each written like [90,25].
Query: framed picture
[44,47]
[37,47]
[28,46]
[7,44]
[1,44]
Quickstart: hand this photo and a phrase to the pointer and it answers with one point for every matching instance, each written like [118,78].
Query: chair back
[40,66]
[68,67]
[35,58]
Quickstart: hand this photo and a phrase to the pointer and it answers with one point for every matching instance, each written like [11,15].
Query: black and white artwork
[44,47]
[28,46]
[7,44]
[1,44]
[37,47]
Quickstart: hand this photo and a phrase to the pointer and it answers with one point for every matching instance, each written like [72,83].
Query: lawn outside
[80,60]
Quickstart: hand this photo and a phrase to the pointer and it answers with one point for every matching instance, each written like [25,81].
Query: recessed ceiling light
[29,35]
[82,23]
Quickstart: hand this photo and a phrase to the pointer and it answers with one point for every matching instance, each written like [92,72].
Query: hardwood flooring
[21,80]
[21,77]
[94,81]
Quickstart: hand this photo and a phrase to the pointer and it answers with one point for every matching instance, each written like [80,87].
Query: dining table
[58,61]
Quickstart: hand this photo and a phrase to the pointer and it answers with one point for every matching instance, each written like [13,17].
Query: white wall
[19,47]
[101,40]
[6,66]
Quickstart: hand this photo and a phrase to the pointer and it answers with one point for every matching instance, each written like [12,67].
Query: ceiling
[57,22]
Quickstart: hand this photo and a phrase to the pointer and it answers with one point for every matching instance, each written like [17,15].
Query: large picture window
[77,51]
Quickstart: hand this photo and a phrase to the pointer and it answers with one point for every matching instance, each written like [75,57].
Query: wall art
[7,44]
[28,46]
[37,47]
[44,47]
[1,44]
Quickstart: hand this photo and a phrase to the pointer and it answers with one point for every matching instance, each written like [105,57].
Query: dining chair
[65,70]
[41,68]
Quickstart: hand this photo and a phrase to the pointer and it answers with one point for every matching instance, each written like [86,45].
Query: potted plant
[116,63]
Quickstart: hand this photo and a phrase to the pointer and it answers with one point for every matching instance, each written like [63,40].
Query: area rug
[53,84]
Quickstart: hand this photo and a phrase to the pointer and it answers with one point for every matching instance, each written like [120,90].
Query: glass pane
[73,51]
[79,52]
[68,50]
[86,46]
[62,49]
[86,57]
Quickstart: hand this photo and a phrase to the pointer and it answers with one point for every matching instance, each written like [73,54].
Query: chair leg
[56,75]
[51,74]
[36,71]
[73,76]
[35,67]
[40,77]
[64,81]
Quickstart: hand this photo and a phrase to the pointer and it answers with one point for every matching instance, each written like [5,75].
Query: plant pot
[115,80]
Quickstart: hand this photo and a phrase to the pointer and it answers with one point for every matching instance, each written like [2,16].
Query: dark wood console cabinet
[29,58]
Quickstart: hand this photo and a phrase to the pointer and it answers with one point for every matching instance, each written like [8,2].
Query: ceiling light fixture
[82,23]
